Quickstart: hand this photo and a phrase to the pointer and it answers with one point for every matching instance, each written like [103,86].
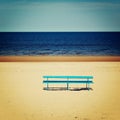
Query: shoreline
[59,58]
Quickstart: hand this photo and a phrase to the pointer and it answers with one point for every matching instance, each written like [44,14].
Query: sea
[59,43]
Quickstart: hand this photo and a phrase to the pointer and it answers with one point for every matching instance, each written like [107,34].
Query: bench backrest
[69,77]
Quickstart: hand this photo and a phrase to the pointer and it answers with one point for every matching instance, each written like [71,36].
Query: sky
[59,15]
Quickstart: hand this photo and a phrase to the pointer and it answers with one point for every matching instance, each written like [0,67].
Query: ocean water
[59,43]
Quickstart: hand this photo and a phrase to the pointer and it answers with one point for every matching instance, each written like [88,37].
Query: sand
[22,96]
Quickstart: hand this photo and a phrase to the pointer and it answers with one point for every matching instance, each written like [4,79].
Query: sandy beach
[22,96]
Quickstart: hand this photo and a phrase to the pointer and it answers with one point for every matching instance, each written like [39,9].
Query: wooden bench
[87,80]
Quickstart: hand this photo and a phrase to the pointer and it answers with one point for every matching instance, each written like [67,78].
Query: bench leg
[67,86]
[86,85]
[47,86]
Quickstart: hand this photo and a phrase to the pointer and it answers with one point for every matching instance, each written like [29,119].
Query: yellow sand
[22,96]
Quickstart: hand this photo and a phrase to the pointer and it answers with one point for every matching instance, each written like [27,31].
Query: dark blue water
[59,43]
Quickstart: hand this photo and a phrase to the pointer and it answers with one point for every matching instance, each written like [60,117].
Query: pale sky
[59,15]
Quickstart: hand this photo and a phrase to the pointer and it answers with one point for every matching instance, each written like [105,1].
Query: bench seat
[70,81]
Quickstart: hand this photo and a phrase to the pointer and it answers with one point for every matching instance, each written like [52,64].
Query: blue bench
[87,80]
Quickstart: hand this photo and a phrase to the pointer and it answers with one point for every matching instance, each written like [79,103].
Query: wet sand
[59,58]
[22,96]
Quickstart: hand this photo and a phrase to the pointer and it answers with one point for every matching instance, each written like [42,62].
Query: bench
[87,80]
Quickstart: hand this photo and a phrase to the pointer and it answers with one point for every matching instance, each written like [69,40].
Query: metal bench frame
[68,80]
